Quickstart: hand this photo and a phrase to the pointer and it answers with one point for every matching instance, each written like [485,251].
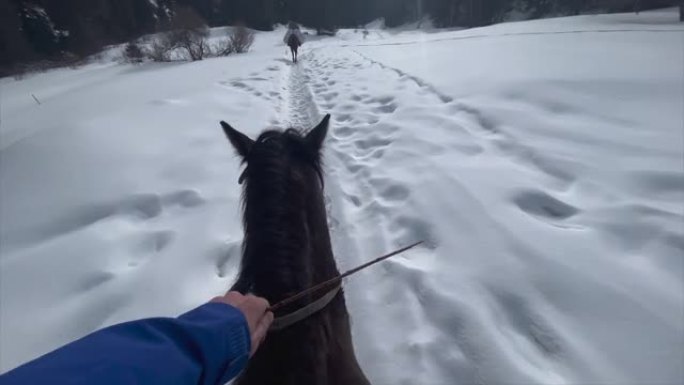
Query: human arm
[208,345]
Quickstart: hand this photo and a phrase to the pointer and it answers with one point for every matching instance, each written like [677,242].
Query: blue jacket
[206,346]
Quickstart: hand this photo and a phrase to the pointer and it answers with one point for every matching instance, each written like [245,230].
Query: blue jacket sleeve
[206,346]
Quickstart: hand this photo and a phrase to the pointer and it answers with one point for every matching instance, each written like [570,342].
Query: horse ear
[241,142]
[316,136]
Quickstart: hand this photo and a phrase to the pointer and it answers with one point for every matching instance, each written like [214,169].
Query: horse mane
[281,171]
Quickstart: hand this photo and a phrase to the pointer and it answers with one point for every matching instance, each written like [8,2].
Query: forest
[69,30]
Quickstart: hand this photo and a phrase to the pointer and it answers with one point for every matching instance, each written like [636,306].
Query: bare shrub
[223,48]
[193,43]
[189,33]
[240,39]
[133,53]
[237,40]
[160,49]
[187,36]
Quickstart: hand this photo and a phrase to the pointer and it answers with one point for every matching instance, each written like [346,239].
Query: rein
[285,321]
[314,307]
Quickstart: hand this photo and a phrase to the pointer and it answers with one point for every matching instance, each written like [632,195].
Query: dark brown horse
[287,249]
[294,43]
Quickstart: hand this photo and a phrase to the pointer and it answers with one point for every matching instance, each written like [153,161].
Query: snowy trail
[370,192]
[367,194]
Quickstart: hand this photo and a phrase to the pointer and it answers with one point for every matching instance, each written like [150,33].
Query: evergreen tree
[14,47]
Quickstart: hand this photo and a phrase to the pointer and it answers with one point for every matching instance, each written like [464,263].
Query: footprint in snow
[94,280]
[355,200]
[227,256]
[386,109]
[395,193]
[149,244]
[372,143]
[238,84]
[329,96]
[343,118]
[169,102]
[389,190]
[382,100]
[529,323]
[343,132]
[413,229]
[540,205]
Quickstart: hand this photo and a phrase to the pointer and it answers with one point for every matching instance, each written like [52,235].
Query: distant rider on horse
[293,38]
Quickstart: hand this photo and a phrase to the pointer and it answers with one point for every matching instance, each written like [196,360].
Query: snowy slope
[542,161]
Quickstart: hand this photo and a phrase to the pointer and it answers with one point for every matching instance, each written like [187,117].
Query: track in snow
[379,115]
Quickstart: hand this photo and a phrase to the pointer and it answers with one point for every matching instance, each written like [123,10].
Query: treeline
[470,13]
[330,14]
[66,30]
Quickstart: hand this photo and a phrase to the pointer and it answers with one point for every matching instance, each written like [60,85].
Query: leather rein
[314,307]
[305,312]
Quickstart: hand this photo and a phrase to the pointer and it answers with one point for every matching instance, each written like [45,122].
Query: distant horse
[294,43]
[287,249]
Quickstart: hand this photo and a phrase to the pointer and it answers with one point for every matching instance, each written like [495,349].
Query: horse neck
[287,244]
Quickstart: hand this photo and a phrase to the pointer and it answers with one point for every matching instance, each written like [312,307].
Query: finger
[254,309]
[261,330]
[234,298]
[259,304]
[263,326]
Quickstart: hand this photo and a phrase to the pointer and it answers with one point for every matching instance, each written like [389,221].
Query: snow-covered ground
[542,161]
